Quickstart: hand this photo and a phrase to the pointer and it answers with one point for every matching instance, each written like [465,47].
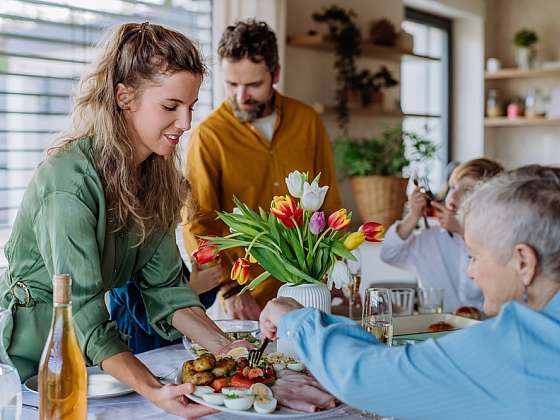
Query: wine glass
[352,290]
[377,316]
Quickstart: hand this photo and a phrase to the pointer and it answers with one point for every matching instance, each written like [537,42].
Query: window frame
[446,25]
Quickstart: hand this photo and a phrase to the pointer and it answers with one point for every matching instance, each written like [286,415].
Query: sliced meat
[287,375]
[307,395]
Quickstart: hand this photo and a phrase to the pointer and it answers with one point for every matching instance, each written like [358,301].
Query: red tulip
[373,231]
[286,209]
[339,220]
[205,253]
[240,270]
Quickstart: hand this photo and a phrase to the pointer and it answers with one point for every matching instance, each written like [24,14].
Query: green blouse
[62,227]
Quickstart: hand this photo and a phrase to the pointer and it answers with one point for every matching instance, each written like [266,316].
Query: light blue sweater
[507,367]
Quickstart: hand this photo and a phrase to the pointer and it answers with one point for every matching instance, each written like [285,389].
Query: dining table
[165,363]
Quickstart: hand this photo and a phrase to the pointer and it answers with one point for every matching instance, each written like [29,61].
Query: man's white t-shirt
[266,125]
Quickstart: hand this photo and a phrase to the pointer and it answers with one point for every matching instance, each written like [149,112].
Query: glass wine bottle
[62,371]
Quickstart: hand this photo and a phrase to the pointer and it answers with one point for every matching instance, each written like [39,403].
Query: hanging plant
[347,39]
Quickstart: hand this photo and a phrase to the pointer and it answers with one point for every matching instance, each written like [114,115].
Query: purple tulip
[317,222]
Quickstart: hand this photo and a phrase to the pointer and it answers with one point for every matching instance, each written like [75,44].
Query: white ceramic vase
[310,296]
[525,57]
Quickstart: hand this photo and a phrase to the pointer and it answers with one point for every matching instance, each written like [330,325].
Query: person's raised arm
[418,204]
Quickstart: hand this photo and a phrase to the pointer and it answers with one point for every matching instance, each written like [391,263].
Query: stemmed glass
[377,316]
[352,290]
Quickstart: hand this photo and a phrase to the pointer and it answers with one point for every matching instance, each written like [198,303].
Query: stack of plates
[100,385]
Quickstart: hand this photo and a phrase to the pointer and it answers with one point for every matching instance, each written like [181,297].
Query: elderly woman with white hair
[505,367]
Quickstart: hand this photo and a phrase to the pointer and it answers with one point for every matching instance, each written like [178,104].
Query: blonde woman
[437,255]
[103,207]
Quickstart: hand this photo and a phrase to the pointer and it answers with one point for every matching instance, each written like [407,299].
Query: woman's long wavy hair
[150,197]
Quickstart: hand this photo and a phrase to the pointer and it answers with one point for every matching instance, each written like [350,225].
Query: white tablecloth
[162,362]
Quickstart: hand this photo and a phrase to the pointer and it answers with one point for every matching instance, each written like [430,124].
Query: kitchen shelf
[521,74]
[520,122]
[386,113]
[322,43]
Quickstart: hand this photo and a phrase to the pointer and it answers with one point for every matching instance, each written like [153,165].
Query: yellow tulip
[354,240]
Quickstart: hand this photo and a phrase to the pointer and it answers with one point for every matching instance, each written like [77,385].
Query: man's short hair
[250,39]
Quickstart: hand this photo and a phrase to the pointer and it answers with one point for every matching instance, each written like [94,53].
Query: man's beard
[251,115]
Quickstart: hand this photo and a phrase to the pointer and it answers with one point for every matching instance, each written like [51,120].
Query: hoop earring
[525,296]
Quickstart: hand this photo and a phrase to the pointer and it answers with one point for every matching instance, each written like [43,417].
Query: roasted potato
[205,362]
[187,371]
[198,378]
[224,367]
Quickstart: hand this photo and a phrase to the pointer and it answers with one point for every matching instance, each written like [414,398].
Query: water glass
[10,393]
[377,315]
[430,300]
[402,301]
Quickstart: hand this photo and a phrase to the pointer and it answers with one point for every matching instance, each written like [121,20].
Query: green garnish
[231,396]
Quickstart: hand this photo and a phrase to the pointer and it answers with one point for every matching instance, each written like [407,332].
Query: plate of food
[100,385]
[422,327]
[279,386]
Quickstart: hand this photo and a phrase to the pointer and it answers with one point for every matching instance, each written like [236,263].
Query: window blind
[44,47]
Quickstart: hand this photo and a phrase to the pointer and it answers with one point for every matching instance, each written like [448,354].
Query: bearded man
[247,146]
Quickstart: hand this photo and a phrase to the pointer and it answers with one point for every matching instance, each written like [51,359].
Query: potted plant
[375,168]
[366,88]
[525,53]
[347,39]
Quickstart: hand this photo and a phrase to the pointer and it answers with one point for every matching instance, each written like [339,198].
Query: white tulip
[294,182]
[339,275]
[313,196]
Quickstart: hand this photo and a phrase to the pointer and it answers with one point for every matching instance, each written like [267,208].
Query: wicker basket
[379,198]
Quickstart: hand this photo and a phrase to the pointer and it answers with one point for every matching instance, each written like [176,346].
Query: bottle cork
[62,289]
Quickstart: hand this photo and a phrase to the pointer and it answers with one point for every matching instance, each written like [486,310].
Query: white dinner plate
[281,412]
[100,385]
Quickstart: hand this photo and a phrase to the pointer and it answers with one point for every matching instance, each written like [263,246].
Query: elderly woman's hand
[273,312]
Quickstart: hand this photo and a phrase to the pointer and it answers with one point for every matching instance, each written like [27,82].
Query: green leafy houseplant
[368,83]
[347,38]
[375,168]
[384,155]
[525,38]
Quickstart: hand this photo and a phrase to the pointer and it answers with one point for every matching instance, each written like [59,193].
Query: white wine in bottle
[62,371]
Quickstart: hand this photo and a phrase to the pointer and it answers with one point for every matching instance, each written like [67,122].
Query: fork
[256,355]
[426,224]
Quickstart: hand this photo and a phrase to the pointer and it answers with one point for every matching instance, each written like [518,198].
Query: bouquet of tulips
[294,242]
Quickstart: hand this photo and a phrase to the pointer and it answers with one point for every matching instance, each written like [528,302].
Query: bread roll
[469,312]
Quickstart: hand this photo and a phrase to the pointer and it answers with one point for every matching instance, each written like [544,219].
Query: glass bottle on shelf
[494,106]
[534,106]
[62,371]
[10,385]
